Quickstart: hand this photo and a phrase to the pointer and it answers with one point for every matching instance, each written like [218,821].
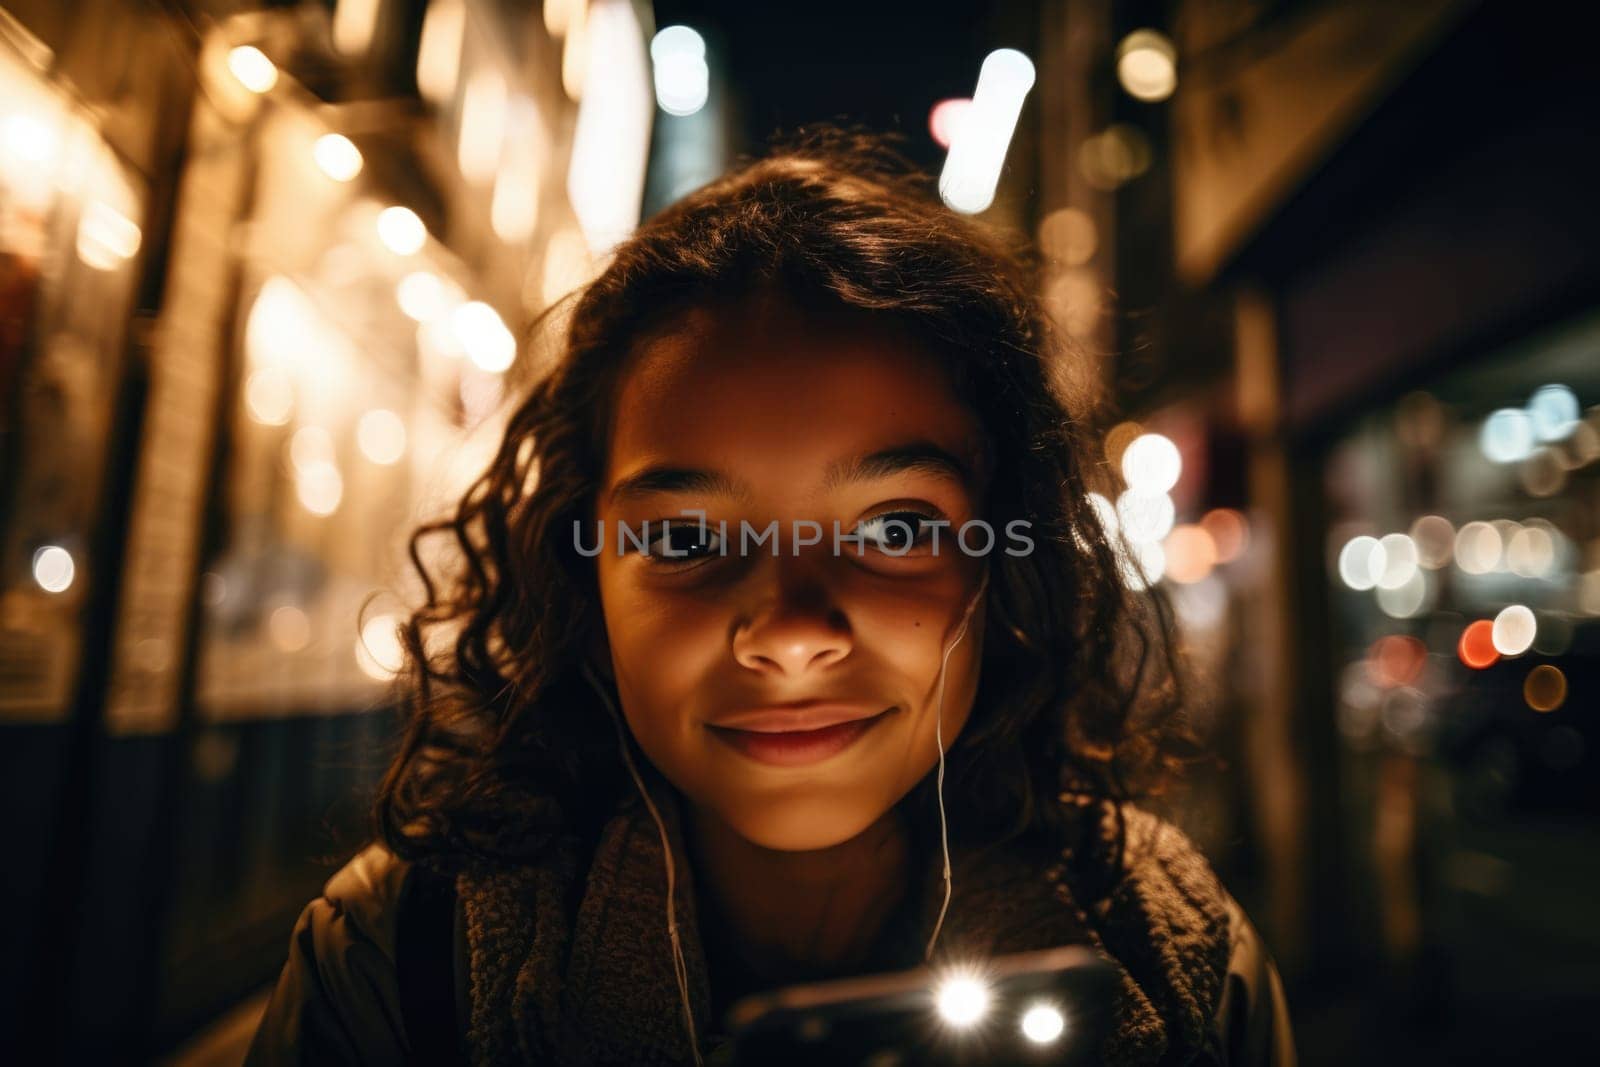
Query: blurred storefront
[1380,302]
[265,271]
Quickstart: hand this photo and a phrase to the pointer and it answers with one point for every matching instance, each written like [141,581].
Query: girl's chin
[802,825]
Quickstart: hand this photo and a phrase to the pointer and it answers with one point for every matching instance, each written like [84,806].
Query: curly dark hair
[506,747]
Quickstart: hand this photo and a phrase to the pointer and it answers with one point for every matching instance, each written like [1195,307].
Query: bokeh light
[1151,463]
[1476,647]
[1507,435]
[379,652]
[401,231]
[1147,65]
[1514,629]
[1118,438]
[1434,539]
[1531,553]
[1478,548]
[1542,473]
[1545,688]
[483,336]
[682,78]
[337,157]
[1399,561]
[53,568]
[1396,659]
[1360,562]
[1068,236]
[1589,593]
[1191,553]
[252,67]
[319,487]
[962,999]
[269,396]
[1229,531]
[1553,410]
[289,628]
[945,118]
[1145,516]
[1043,1023]
[1407,600]
[381,436]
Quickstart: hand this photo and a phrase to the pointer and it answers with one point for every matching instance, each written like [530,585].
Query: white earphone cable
[944,826]
[680,966]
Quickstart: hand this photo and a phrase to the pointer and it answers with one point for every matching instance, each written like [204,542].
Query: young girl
[786,646]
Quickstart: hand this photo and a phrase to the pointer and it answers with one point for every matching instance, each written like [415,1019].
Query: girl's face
[766,418]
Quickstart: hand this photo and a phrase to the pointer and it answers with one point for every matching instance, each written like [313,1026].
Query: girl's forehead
[784,394]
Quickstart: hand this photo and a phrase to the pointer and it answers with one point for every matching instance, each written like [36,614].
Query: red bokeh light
[943,118]
[1477,645]
[1397,660]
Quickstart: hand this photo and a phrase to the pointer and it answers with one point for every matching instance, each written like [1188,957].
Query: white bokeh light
[1553,409]
[1478,547]
[319,487]
[1360,562]
[1142,564]
[1531,552]
[978,151]
[1043,1023]
[1507,436]
[682,78]
[483,336]
[401,230]
[53,569]
[1145,516]
[1407,600]
[962,1000]
[1147,65]
[379,652]
[381,436]
[1399,561]
[1151,463]
[252,67]
[337,156]
[1514,630]
[269,396]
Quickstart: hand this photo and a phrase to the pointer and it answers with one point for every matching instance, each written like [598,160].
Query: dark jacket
[539,980]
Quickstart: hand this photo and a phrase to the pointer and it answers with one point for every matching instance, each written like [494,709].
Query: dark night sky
[883,63]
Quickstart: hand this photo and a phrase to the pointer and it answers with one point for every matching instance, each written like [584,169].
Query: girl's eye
[680,542]
[896,532]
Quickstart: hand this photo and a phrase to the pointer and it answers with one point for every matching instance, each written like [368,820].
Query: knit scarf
[574,966]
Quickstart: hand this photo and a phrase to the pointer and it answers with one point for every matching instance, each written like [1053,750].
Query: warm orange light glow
[1397,659]
[1229,532]
[1118,438]
[1190,553]
[1545,688]
[945,119]
[1476,648]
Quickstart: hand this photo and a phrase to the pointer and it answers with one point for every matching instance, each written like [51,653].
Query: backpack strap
[426,966]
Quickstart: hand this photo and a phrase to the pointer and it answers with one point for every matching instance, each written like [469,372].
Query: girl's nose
[800,631]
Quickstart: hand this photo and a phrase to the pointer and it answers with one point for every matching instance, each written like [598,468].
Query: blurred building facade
[1352,272]
[265,271]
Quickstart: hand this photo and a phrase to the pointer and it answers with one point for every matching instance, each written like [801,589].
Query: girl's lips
[797,748]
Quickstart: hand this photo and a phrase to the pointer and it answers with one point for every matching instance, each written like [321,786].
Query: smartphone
[1052,1006]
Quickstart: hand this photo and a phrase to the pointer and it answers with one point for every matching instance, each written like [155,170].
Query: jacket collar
[597,984]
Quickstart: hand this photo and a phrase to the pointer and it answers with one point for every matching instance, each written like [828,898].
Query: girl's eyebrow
[916,457]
